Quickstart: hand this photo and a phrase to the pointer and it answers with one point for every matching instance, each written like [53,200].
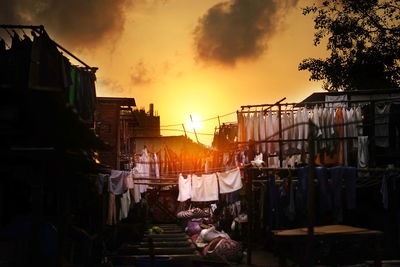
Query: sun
[196,124]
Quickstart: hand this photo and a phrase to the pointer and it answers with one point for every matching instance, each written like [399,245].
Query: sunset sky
[199,57]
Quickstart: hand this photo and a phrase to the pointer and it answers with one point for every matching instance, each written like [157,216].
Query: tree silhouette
[363,38]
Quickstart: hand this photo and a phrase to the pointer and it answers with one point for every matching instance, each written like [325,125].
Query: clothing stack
[213,244]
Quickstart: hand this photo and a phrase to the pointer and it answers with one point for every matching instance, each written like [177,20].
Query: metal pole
[280,135]
[311,195]
[183,126]
[250,201]
[219,122]
[194,129]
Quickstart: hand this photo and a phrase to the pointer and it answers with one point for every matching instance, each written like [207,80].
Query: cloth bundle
[192,214]
[224,248]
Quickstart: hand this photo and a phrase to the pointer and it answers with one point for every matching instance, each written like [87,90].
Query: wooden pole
[280,135]
[311,195]
[183,126]
[194,129]
[250,201]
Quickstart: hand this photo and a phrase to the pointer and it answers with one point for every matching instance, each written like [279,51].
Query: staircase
[173,242]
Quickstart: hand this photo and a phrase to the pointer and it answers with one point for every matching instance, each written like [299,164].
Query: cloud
[142,74]
[110,85]
[82,24]
[238,29]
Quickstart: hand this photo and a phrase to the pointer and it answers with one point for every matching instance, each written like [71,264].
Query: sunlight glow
[197,123]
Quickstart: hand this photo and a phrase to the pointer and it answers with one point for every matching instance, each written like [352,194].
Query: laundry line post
[311,194]
[280,136]
[250,203]
[183,126]
[194,129]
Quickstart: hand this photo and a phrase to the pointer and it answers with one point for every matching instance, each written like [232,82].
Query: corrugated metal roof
[122,101]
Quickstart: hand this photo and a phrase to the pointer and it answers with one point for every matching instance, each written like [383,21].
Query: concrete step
[160,236]
[166,244]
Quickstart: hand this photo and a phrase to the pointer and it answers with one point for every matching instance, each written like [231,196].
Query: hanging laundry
[117,182]
[382,125]
[229,181]
[204,187]
[262,123]
[125,205]
[256,130]
[142,169]
[185,188]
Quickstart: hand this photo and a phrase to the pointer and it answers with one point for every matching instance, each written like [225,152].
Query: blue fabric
[301,195]
[325,201]
[273,194]
[350,178]
[337,174]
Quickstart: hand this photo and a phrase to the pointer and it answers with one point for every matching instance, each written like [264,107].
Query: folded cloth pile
[192,214]
[193,227]
[224,248]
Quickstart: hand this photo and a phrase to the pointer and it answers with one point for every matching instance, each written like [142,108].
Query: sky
[203,58]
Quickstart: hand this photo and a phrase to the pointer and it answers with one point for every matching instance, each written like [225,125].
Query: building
[118,124]
[114,125]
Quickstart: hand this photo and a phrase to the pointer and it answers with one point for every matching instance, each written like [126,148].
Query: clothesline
[388,100]
[213,118]
[199,170]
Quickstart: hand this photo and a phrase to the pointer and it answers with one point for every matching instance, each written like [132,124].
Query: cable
[179,130]
[213,118]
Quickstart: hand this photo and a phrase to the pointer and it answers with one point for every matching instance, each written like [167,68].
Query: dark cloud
[79,23]
[110,85]
[238,29]
[142,74]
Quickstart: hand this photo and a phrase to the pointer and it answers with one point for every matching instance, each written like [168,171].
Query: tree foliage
[363,38]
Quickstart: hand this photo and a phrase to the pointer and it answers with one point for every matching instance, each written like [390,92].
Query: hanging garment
[306,118]
[137,196]
[129,180]
[316,121]
[384,191]
[142,170]
[154,166]
[292,207]
[205,187]
[262,121]
[117,182]
[185,188]
[285,132]
[112,212]
[270,132]
[394,126]
[363,156]
[125,205]
[350,178]
[102,179]
[250,128]
[325,203]
[344,176]
[229,181]
[240,127]
[256,130]
[46,69]
[382,125]
[299,132]
[345,134]
[340,133]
